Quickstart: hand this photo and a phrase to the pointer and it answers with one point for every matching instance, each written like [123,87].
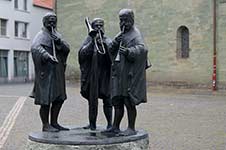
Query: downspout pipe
[214,77]
[55,6]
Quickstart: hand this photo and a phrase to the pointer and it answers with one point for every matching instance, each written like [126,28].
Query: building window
[182,42]
[16,29]
[21,5]
[3,63]
[21,29]
[20,64]
[16,4]
[3,27]
[25,5]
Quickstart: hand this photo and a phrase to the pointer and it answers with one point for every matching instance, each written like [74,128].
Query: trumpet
[92,32]
[117,58]
[53,44]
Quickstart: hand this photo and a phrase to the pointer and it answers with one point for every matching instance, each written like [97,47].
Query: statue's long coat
[95,70]
[49,84]
[129,74]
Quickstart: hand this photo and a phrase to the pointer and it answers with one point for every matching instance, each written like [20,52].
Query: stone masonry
[158,20]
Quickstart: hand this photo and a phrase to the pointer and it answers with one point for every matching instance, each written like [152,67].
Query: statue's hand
[56,39]
[93,34]
[123,50]
[53,60]
[119,38]
[98,38]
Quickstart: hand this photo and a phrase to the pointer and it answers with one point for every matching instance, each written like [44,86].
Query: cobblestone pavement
[176,119]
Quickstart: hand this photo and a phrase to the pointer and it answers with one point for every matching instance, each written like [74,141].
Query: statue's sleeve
[108,43]
[86,50]
[39,53]
[87,47]
[113,47]
[136,50]
[63,46]
[63,50]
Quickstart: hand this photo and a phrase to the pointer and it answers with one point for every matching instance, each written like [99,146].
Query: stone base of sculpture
[81,139]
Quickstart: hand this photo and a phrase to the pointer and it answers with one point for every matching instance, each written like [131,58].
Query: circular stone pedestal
[81,139]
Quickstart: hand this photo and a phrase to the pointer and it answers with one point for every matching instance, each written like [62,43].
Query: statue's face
[99,25]
[50,22]
[125,22]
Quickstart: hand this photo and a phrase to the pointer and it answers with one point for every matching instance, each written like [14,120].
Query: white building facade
[20,21]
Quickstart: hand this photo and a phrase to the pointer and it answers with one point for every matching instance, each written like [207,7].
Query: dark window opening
[3,63]
[20,64]
[3,27]
[24,30]
[21,29]
[25,4]
[16,4]
[16,29]
[182,42]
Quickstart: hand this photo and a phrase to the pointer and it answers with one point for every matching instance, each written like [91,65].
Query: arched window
[182,42]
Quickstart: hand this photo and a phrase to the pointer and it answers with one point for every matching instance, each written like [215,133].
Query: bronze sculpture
[49,53]
[128,82]
[95,66]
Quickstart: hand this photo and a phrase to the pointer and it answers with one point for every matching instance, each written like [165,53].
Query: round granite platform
[83,139]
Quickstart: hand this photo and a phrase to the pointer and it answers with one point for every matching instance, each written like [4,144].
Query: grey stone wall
[158,20]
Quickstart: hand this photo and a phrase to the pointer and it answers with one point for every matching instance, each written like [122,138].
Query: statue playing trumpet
[96,32]
[95,66]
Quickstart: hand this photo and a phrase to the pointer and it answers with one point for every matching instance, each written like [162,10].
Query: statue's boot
[108,116]
[86,127]
[93,125]
[49,128]
[111,131]
[109,126]
[92,117]
[55,110]
[128,132]
[44,115]
[131,113]
[59,127]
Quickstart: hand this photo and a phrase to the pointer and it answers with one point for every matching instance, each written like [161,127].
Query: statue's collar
[45,30]
[131,34]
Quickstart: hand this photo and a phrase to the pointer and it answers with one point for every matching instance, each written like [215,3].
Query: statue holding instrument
[49,53]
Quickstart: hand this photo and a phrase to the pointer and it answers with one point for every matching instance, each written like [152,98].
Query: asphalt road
[175,119]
